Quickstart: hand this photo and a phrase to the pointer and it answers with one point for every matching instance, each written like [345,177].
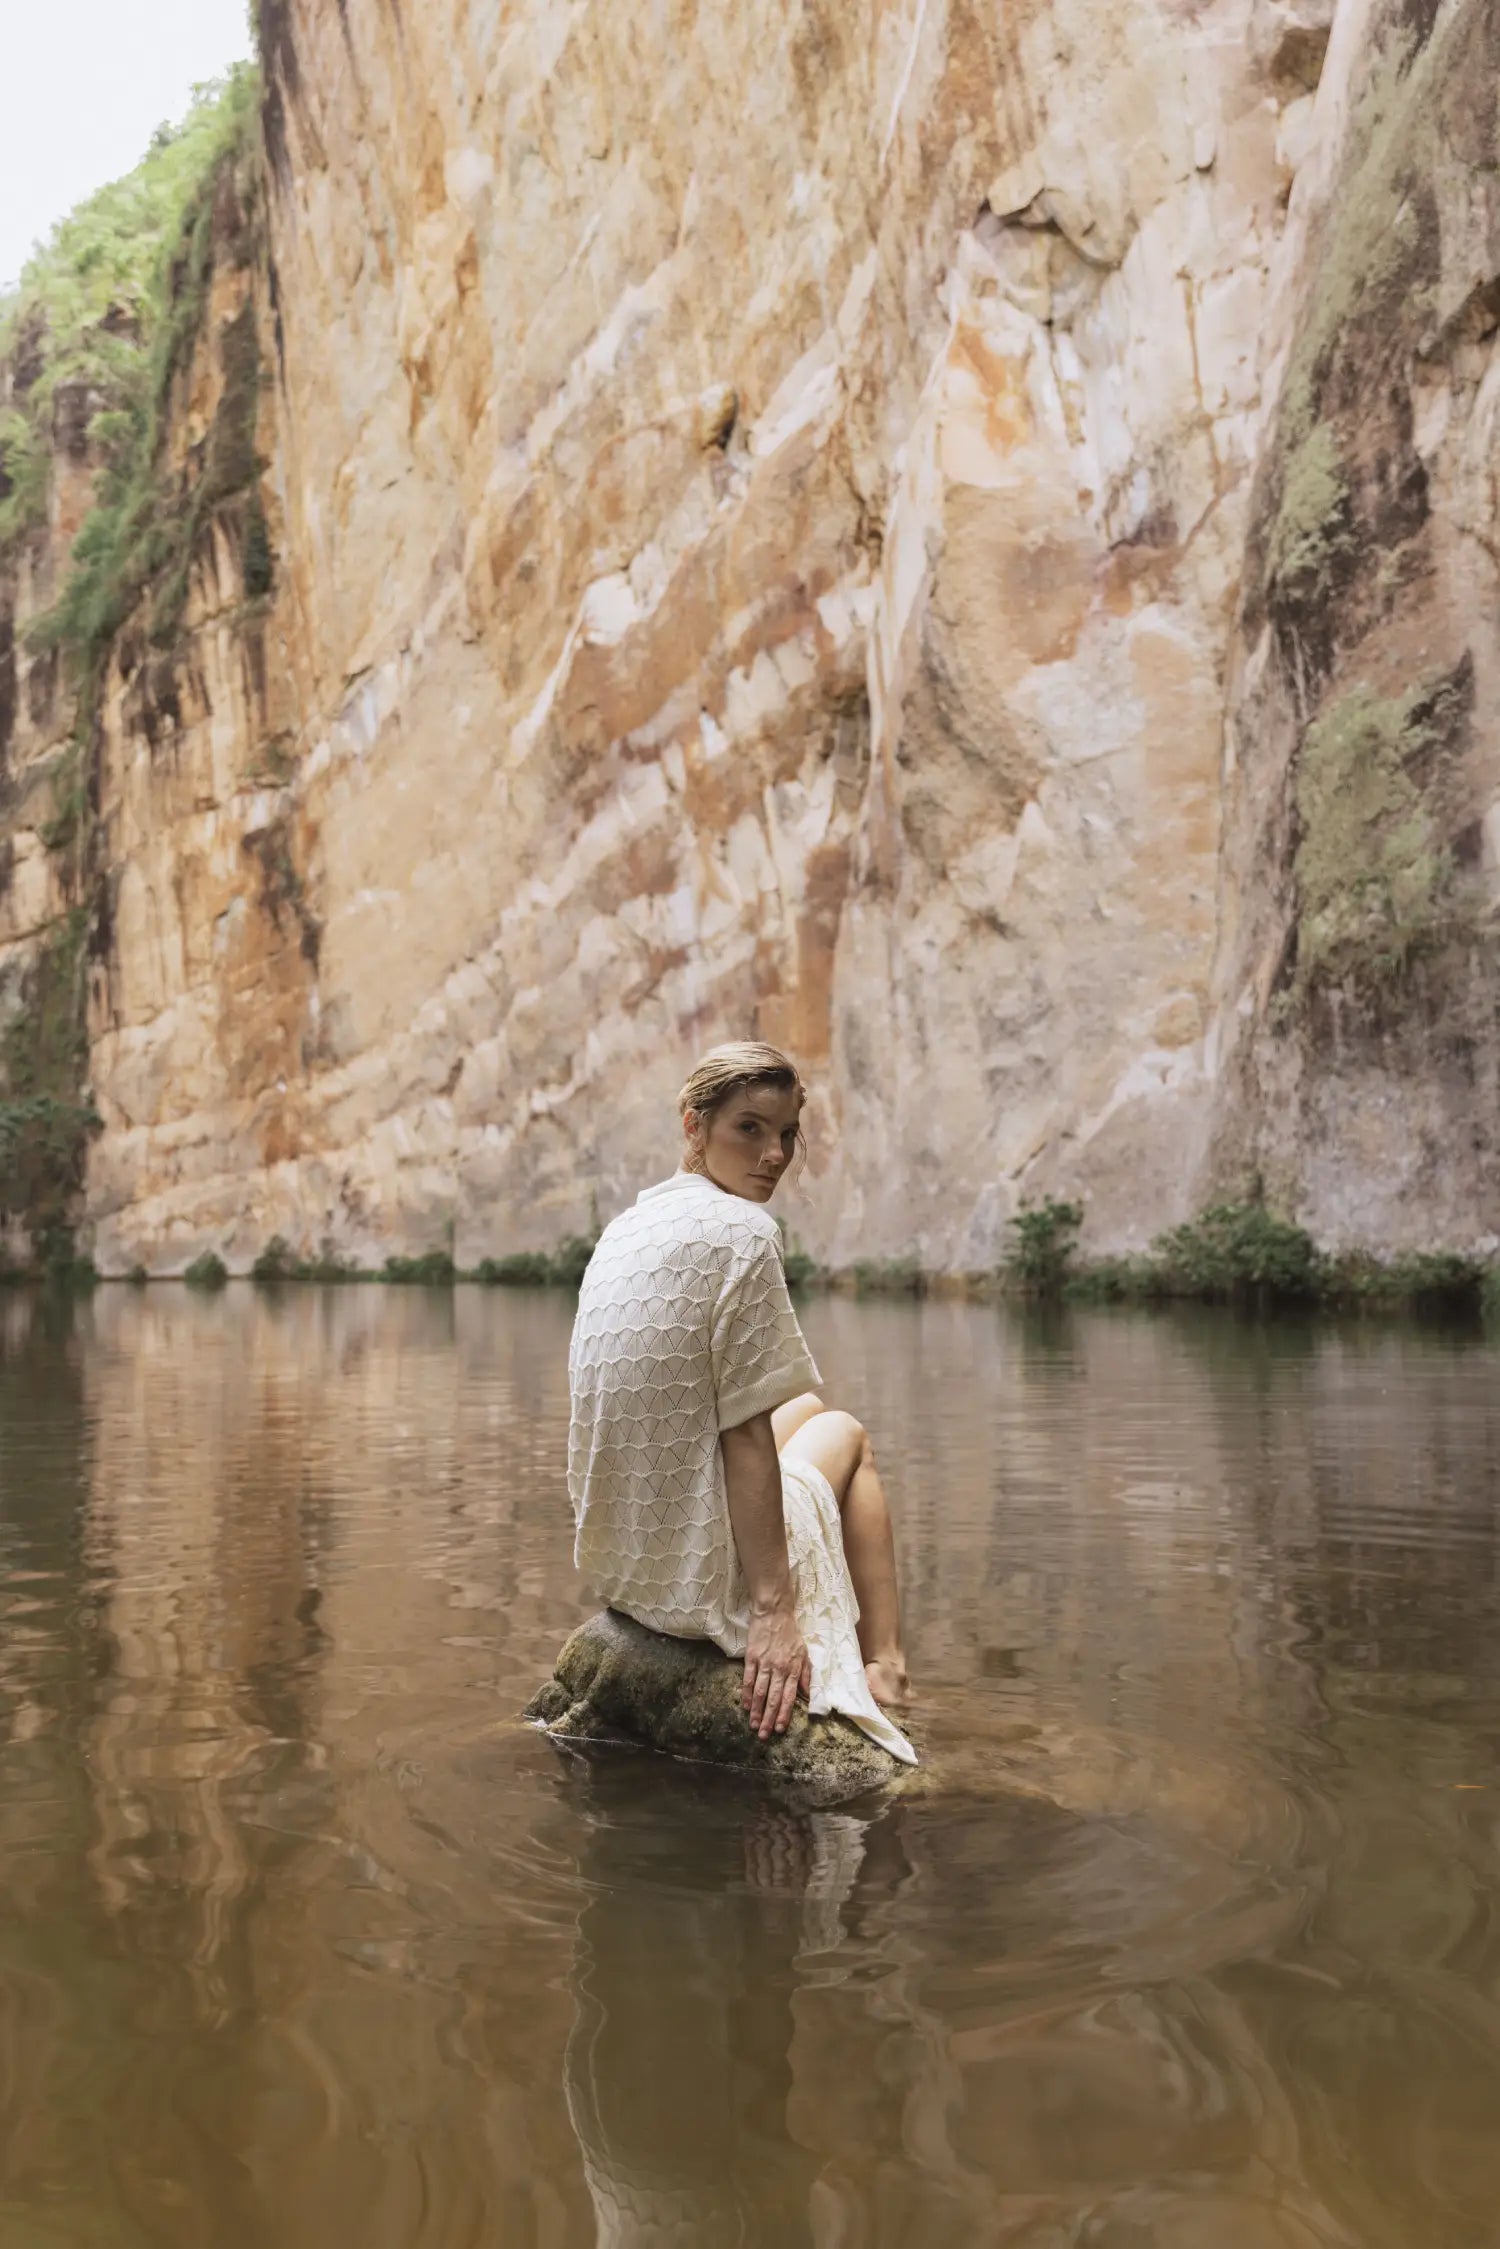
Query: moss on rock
[1310,531]
[1375,878]
[617,1682]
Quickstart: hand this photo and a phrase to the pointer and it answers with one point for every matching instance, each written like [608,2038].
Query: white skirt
[827,1611]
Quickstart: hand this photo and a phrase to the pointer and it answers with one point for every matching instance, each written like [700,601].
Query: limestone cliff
[888,526]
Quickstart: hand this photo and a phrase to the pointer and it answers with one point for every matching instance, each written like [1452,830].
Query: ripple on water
[1187,1934]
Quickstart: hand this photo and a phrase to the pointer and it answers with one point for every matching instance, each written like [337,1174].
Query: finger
[788,1702]
[765,1716]
[758,1696]
[749,1683]
[805,1682]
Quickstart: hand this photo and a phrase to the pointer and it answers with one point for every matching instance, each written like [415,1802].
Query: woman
[716,1498]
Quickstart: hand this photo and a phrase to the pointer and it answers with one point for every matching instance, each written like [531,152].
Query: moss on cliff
[1336,483]
[1310,531]
[107,316]
[45,1113]
[1375,880]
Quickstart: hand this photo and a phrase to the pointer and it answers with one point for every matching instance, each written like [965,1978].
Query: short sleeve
[760,1355]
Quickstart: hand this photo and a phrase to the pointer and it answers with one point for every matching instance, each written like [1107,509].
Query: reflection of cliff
[786,526]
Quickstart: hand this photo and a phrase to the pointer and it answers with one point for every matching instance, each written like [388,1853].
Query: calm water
[307,1944]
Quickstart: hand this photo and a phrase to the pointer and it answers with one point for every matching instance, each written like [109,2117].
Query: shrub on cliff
[275,1263]
[563,1267]
[435,1269]
[207,1272]
[1044,1242]
[889,1276]
[1238,1250]
[570,1260]
[523,1268]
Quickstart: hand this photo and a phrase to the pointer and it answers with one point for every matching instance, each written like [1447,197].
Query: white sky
[83,86]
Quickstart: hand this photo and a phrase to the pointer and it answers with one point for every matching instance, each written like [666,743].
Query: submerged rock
[617,1682]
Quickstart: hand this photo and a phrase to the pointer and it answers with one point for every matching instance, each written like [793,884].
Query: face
[749,1141]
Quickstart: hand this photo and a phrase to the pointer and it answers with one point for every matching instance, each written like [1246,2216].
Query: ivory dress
[685,1329]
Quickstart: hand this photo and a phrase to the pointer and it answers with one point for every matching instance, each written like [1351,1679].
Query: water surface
[1192,1942]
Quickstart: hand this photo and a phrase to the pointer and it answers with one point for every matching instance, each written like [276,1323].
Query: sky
[83,86]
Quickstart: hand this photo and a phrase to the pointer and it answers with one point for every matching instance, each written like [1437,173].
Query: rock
[617,1682]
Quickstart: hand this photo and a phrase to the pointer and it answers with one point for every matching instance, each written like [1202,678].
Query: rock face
[885,526]
[617,1682]
[1359,975]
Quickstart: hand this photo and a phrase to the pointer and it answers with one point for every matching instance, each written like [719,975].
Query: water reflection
[307,1942]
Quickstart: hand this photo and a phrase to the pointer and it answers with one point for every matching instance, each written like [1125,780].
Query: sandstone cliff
[957,538]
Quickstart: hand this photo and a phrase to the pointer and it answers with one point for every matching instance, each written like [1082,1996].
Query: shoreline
[1445,1285]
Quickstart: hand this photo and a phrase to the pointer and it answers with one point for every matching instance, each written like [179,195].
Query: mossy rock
[617,1682]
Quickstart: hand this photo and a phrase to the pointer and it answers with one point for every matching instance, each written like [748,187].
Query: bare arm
[776,1657]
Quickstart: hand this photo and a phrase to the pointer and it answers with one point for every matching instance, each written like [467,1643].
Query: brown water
[306,1944]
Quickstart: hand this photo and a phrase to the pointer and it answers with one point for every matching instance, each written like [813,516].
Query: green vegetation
[524,1268]
[1235,1251]
[1366,293]
[1045,1240]
[888,1276]
[563,1267]
[277,1262]
[1374,880]
[1241,1253]
[559,1268]
[105,316]
[802,1272]
[46,1117]
[1311,527]
[434,1270]
[114,306]
[1372,229]
[207,1272]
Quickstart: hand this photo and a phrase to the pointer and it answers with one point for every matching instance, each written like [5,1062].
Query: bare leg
[788,1419]
[838,1444]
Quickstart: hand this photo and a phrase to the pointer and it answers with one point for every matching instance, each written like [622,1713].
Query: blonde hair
[733,1068]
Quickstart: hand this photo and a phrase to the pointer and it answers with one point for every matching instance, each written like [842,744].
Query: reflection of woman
[679,2069]
[716,1497]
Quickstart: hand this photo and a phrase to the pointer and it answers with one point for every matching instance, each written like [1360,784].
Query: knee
[850,1432]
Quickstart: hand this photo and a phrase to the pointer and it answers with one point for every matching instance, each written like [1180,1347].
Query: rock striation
[960,539]
[616,1682]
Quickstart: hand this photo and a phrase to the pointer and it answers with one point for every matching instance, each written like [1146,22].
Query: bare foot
[889,1683]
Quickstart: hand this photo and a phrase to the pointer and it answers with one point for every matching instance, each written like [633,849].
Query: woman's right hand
[776,1665]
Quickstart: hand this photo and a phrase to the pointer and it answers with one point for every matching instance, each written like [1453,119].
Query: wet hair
[738,1067]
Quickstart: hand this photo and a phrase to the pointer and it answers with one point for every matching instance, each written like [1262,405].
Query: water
[1193,1942]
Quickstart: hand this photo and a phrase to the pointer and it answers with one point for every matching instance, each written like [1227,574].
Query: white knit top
[685,1329]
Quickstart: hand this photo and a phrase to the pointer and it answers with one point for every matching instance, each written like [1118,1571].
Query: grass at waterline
[1232,1253]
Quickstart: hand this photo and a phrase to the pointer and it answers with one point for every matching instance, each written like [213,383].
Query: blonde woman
[716,1497]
